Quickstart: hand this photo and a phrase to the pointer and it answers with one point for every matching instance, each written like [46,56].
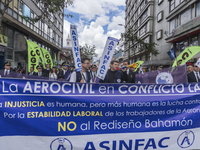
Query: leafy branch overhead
[133,41]
[48,9]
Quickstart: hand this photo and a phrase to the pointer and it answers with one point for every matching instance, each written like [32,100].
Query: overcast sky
[95,21]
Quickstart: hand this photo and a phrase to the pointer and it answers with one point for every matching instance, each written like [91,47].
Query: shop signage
[3,40]
[190,24]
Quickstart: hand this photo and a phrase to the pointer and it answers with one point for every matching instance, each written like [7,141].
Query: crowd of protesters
[88,74]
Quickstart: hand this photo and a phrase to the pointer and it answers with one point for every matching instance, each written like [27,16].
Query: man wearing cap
[65,73]
[39,73]
[93,71]
[160,67]
[7,72]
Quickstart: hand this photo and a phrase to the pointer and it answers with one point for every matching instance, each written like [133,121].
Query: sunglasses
[87,63]
[196,66]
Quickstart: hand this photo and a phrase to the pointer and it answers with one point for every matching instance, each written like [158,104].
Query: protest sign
[38,53]
[186,55]
[47,115]
[139,63]
[47,57]
[198,62]
[164,76]
[75,47]
[106,58]
[32,57]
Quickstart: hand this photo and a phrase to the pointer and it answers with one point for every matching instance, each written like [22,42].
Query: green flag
[186,55]
[32,57]
[139,63]
[38,53]
[47,57]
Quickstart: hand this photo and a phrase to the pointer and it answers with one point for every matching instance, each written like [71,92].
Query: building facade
[140,18]
[184,25]
[48,35]
[171,24]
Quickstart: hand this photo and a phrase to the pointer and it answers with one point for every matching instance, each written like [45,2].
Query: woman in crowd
[53,75]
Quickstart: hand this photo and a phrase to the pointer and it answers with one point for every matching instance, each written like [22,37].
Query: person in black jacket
[113,75]
[64,74]
[47,70]
[128,76]
[194,76]
[40,73]
[7,71]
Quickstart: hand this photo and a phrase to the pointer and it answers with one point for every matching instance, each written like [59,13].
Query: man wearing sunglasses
[65,74]
[7,72]
[194,76]
[84,76]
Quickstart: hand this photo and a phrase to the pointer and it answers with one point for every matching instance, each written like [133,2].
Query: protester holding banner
[53,75]
[65,73]
[7,71]
[128,76]
[84,76]
[113,75]
[194,76]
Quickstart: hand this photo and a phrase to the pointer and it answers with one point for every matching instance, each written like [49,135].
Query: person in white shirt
[84,75]
[53,75]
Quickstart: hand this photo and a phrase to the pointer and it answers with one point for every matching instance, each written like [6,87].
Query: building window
[143,4]
[159,2]
[26,11]
[144,15]
[160,16]
[159,34]
[175,3]
[171,25]
[198,9]
[16,5]
[186,16]
[143,29]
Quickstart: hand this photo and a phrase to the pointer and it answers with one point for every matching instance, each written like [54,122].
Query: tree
[88,51]
[132,40]
[47,7]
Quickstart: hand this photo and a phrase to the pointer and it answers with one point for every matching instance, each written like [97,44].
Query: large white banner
[75,47]
[106,57]
[168,140]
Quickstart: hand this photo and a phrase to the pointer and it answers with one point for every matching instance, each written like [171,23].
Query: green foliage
[131,39]
[88,51]
[48,8]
